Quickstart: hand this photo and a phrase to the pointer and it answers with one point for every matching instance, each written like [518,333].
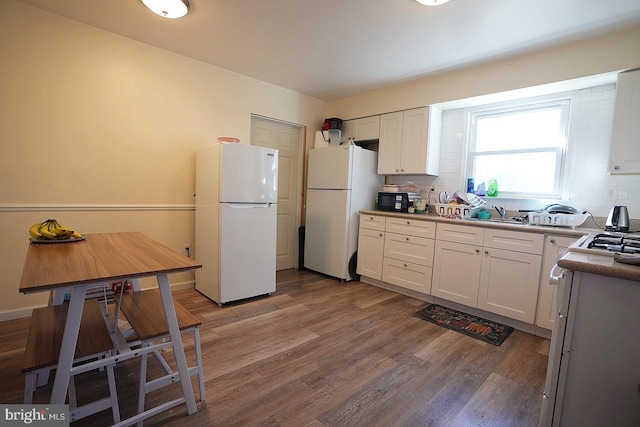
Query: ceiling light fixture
[432,2]
[168,8]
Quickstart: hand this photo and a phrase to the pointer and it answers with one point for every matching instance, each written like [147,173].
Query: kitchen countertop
[541,229]
[599,264]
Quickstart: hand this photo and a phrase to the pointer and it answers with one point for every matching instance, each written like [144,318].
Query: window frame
[563,101]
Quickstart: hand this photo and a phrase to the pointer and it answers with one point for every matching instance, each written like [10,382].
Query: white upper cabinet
[625,144]
[363,129]
[410,142]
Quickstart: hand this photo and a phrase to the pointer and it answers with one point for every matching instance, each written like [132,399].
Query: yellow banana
[45,231]
[52,230]
[33,231]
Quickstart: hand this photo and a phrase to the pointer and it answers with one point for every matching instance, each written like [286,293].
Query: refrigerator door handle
[249,205]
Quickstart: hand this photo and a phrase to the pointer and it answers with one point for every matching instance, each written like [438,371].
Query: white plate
[73,239]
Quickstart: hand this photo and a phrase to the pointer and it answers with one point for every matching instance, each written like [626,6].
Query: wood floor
[324,353]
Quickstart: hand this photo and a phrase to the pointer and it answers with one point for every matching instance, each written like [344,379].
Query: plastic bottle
[492,190]
[470,186]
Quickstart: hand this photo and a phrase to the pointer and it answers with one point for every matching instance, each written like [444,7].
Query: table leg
[176,341]
[68,346]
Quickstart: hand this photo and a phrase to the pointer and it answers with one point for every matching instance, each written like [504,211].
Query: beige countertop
[599,264]
[542,229]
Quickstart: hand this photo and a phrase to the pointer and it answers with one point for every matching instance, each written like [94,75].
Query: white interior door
[288,140]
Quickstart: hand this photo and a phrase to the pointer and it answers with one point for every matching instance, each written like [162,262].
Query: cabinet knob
[486,252]
[380,234]
[371,218]
[617,167]
[405,265]
[477,251]
[407,239]
[560,315]
[553,241]
[401,170]
[397,170]
[408,222]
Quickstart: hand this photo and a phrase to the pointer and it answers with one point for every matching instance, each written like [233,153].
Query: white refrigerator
[341,181]
[236,214]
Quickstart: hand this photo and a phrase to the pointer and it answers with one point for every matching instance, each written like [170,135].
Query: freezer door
[327,232]
[248,174]
[330,168]
[247,250]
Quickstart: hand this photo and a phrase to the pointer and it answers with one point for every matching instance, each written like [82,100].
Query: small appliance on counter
[395,201]
[618,219]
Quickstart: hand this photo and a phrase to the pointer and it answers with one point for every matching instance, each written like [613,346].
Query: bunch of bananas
[52,230]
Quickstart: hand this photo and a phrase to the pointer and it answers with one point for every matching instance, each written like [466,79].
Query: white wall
[100,132]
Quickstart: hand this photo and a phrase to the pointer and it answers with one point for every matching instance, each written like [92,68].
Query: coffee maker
[618,219]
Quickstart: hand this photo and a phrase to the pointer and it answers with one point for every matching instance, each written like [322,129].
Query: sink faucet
[501,211]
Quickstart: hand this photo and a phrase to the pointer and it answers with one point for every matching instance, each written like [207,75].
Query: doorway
[288,139]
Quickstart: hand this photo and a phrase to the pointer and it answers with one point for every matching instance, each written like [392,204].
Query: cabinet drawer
[402,247]
[460,234]
[372,222]
[530,243]
[407,275]
[412,227]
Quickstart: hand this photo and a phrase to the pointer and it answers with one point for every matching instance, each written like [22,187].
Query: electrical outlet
[611,193]
[186,250]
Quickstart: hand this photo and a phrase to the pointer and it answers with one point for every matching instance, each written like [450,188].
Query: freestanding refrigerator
[236,214]
[341,181]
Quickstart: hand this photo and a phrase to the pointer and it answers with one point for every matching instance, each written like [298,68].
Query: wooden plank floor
[324,353]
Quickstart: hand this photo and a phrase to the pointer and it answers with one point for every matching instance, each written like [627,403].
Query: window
[521,145]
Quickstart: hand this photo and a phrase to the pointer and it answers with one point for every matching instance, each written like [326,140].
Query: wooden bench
[145,313]
[43,346]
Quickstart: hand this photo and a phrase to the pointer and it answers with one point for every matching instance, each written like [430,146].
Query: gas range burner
[615,243]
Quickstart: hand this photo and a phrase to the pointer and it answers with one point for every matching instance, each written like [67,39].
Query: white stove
[607,243]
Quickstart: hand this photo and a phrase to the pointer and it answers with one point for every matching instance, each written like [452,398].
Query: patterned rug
[486,330]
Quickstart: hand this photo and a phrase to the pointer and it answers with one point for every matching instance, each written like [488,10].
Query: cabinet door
[509,283]
[365,129]
[456,270]
[625,150]
[415,134]
[370,252]
[390,144]
[545,312]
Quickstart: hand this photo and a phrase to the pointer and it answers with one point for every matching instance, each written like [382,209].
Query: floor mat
[485,330]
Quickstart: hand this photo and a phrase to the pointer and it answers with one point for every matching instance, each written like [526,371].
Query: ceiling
[333,49]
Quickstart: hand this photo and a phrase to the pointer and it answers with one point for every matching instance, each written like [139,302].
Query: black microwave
[397,202]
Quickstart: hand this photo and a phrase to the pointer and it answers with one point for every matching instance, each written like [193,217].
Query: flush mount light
[168,8]
[432,2]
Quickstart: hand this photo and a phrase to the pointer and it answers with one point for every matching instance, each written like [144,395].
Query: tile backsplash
[587,181]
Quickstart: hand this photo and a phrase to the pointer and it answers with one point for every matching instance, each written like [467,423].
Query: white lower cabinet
[370,246]
[456,272]
[408,258]
[500,275]
[509,283]
[553,246]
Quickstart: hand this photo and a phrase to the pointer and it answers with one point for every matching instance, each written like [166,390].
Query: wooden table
[103,258]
